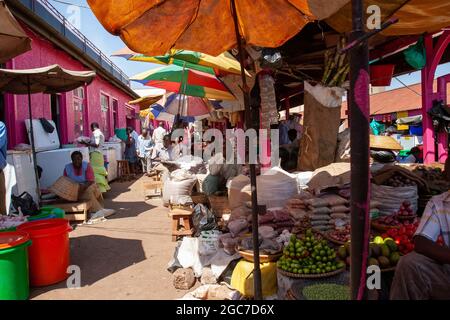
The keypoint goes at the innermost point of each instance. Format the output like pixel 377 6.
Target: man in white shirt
pixel 97 138
pixel 158 135
pixel 164 152
pixel 424 274
pixel 145 149
pixel 161 153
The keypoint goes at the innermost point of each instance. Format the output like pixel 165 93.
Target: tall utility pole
pixel 359 135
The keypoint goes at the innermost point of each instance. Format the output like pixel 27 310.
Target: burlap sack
pixel 321 126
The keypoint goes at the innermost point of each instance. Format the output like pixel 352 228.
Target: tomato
pixel 410 247
pixel 402 230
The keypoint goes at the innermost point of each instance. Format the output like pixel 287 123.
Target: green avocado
pixel 384 262
pixel 376 250
pixel 385 252
pixel 347 247
pixel 373 261
pixel 391 244
pixel 342 252
pixel 395 256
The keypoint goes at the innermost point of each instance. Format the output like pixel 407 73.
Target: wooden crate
pixel 75 211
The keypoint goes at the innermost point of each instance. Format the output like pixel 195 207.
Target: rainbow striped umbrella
pixel 224 62
pixel 186 81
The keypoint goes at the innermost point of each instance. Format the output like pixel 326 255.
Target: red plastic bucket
pixel 381 75
pixel 49 252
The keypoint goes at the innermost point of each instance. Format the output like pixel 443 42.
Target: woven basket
pixel 391 269
pixel 328 236
pixel 384 142
pixel 311 276
pixel 382 227
pixel 66 189
pixel 263 258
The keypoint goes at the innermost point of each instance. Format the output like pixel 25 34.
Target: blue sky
pixel 108 43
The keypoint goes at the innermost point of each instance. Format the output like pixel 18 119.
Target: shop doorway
pixel 55 105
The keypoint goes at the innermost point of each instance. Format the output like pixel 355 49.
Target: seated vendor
pixel 425 273
pixel 161 154
pixel 82 173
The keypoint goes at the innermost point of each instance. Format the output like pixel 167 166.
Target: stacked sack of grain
pixel 279 219
pixel 340 210
pixel 297 207
pixel 319 213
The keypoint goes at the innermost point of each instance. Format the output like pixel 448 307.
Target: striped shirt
pixel 436 219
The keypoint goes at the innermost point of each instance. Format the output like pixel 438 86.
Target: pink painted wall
pixel 44 53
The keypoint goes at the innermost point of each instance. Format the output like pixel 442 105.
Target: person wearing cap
pixel 3 149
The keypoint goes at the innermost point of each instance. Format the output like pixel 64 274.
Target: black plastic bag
pixel 48 127
pixel 440 115
pixel 203 219
pixel 26 203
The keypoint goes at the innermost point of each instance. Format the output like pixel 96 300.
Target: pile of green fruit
pixel 383 253
pixel 309 255
pixel 326 291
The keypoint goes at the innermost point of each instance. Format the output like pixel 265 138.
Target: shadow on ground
pixel 127 209
pixel 99 257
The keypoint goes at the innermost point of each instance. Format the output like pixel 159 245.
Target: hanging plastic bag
pixel 416 55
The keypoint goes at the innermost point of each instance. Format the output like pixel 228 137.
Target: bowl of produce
pixel 382 252
pixel 309 257
pixel 269 249
pixel 386 222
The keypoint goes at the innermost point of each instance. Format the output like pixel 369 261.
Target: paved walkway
pixel 125 257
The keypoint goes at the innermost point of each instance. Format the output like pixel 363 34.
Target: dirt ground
pixel 125 257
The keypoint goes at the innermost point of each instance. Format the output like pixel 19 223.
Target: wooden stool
pixel 75 211
pixel 153 185
pixel 184 216
pixel 123 170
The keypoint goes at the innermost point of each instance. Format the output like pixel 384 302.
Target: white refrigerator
pixel 22 161
pixel 111 162
pixel 53 163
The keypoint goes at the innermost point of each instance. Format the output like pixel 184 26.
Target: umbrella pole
pixel 359 139
pixel 255 210
pixel 33 148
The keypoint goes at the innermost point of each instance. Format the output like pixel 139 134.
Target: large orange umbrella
pixel 153 27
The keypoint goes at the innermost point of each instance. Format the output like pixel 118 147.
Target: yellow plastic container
pixel 242 278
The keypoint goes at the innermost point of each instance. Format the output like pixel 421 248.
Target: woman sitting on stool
pixel 82 173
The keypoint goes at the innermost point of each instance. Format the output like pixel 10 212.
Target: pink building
pixel 103 101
